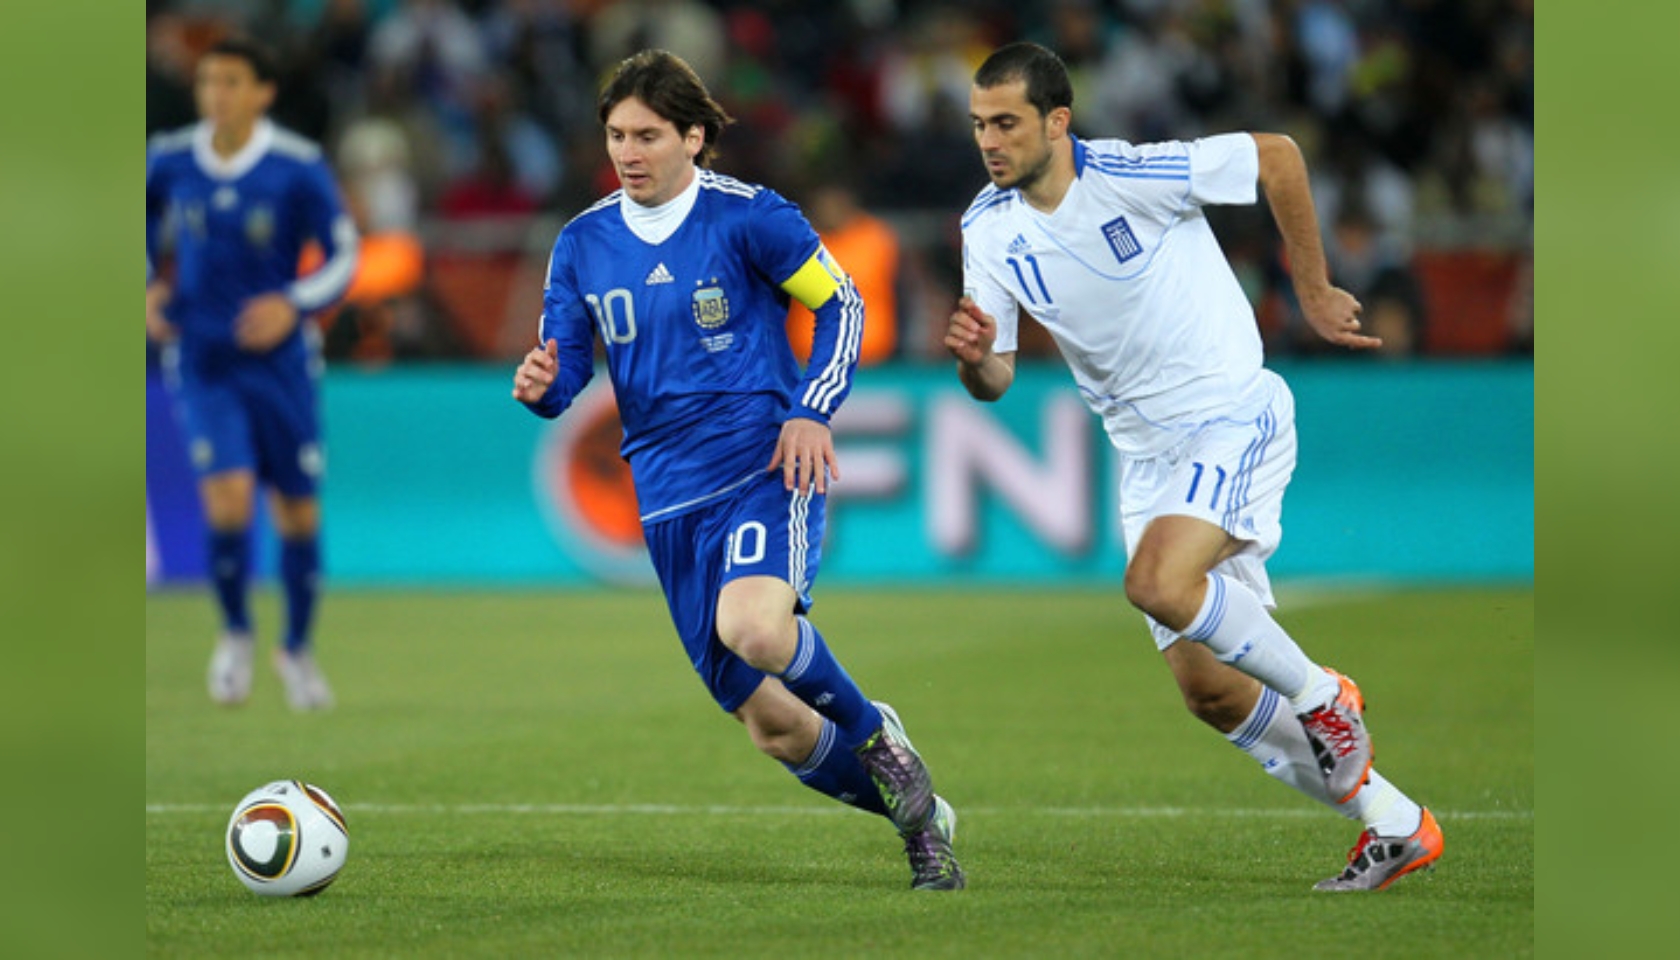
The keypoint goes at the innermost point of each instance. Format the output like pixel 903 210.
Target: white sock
pixel 1235 625
pixel 1272 736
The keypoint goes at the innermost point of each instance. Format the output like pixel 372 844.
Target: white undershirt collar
pixel 236 166
pixel 655 225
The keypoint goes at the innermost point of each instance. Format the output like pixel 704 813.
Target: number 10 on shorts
pixel 746 545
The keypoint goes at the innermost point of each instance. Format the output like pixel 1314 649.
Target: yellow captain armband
pixel 815 282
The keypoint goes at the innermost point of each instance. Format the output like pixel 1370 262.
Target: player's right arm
pixel 973 333
pixel 970 334
pixel 158 292
pixel 555 371
pixel 158 327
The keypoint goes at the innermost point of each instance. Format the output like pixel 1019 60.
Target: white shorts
pixel 1231 474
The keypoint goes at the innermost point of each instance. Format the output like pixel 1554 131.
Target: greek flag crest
pixel 1121 240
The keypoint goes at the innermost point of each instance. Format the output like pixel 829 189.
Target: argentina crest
pixel 711 307
pixel 259 226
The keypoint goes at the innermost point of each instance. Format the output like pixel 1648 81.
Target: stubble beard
pixel 1027 180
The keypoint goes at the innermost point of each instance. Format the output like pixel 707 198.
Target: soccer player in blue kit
pixel 1105 245
pixel 236 199
pixel 685 276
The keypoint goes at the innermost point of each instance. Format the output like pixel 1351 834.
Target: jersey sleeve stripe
pixel 723 184
pixel 1131 175
pixel 821 394
pixel 982 205
pixel 329 282
pixel 1166 160
pixel 289 144
pixel 1158 168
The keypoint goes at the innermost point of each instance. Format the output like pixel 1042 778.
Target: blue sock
pixel 230 574
pixel 817 678
pixel 300 570
pixel 838 774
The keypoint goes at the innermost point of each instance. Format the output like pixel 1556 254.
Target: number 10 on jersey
pixel 615 314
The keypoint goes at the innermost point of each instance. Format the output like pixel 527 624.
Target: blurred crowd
pixel 463 132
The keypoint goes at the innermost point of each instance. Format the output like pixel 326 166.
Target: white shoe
pixel 230 669
pixel 306 689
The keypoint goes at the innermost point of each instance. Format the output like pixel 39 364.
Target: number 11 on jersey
pixel 1032 261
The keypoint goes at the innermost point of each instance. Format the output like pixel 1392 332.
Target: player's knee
pixel 1148 590
pixel 1166 595
pixel 228 513
pixel 1139 585
pixel 764 641
pixel 296 518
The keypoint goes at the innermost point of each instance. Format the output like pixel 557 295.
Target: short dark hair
pixel 670 88
pixel 1046 77
pixel 244 48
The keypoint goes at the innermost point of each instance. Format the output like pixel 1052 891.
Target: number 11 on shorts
pixel 1196 482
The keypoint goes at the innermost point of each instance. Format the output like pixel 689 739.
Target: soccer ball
pixel 287 839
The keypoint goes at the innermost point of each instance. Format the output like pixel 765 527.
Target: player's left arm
pixel 805 451
pixel 268 319
pixel 1331 311
pixel 783 248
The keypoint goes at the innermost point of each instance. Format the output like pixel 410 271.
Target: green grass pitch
pixel 529 774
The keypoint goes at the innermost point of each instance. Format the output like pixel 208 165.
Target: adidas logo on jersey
pixel 1019 245
pixel 659 275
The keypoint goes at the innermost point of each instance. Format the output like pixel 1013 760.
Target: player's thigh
pixel 1177 548
pixel 687 553
pixel 755 619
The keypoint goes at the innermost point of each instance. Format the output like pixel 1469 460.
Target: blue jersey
pixel 238 227
pixel 694 329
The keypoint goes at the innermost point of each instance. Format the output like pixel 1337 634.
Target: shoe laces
pixel 1365 838
pixel 889 764
pixel 1334 729
pixel 1370 851
pixel 927 852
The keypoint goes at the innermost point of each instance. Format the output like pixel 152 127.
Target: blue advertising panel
pixel 1413 471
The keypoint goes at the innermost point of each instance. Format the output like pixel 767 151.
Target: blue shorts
pixel 758 529
pixel 259 416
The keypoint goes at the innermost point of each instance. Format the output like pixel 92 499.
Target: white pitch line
pixel 675 810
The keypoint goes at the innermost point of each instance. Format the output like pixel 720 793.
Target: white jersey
pixel 1128 278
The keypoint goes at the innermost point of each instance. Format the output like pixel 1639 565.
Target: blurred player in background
pixel 236 199
pixel 1105 245
pixel 686 276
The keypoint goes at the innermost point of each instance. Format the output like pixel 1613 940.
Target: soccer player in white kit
pixel 1105 244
